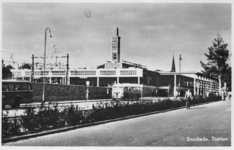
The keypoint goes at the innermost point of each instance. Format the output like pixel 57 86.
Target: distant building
pixel 173 69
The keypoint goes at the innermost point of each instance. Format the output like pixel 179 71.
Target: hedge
pixel 51 117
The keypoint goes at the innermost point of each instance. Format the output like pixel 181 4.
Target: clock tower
pixel 115 48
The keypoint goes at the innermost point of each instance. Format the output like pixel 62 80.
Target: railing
pixel 107 72
pixel 83 73
pixel 58 73
pixel 128 72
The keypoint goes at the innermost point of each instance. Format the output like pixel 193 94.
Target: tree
pixel 6 73
pixel 10 67
pixel 25 66
pixel 218 57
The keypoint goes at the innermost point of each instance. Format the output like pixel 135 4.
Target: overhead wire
pixel 12 59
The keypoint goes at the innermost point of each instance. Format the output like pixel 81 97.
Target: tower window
pixel 114 56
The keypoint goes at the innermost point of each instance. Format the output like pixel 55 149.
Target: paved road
pixel 175 128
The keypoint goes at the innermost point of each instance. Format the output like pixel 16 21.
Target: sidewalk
pixel 69 101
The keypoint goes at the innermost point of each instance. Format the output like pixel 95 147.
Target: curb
pixel 91 124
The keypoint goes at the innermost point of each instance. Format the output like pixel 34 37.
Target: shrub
pixel 72 116
pixel 29 120
pixel 5 127
pixel 11 127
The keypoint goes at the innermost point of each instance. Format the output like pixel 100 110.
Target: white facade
pixel 81 73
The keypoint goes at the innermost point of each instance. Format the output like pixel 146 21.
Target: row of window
pixel 46 73
pixel 28 73
pixel 83 72
pixel 58 72
pixel 41 73
pixel 16 86
pixel 122 72
pixel 107 72
pixel 131 72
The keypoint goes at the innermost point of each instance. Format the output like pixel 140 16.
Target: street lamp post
pixel 179 91
pixel 43 95
pixel 179 68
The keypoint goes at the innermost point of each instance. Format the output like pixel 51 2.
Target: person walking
pixel 229 95
pixel 188 96
pixel 87 94
pixel 224 96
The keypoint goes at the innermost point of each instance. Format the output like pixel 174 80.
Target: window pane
pixel 11 87
pixel 4 87
pixel 114 56
pixel 29 87
pixel 24 86
pixel 17 86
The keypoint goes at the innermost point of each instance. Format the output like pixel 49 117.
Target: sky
pixel 151 33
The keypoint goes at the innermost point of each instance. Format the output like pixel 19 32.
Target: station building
pixel 166 83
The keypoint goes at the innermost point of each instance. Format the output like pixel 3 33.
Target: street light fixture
pixel 43 95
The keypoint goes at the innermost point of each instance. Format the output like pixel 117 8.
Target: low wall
pixel 61 92
pixel 147 90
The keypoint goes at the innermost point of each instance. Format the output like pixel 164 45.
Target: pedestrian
pixel 230 96
pixel 188 96
pixel 176 94
pixel 138 95
pixel 125 93
pixel 224 96
pixel 152 93
pixel 87 94
pixel 188 103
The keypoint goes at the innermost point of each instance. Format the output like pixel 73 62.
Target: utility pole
pixel 67 68
pixel 32 73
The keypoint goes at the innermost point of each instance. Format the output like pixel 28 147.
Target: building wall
pixel 165 80
pixel 108 77
pixel 107 81
pixel 149 91
pixel 58 92
pixel 133 80
pixel 82 81
pixel 150 78
pixel 185 81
